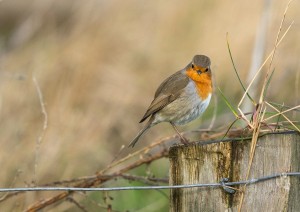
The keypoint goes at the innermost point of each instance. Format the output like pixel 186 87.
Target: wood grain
pixel 210 163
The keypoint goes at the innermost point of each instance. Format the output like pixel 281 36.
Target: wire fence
pixel 223 184
pixel 147 155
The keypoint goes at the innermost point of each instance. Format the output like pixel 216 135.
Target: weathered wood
pixel 210 163
pixel 195 164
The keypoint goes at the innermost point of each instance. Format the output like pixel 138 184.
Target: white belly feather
pixel 187 107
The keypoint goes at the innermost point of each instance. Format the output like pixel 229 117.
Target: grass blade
pixel 268 83
pixel 228 104
pixel 236 72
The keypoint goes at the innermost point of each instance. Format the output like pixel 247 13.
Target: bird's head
pixel 199 69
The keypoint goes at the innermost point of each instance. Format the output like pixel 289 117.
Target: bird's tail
pixel 136 139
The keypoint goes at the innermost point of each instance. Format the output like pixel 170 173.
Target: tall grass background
pixel 97 65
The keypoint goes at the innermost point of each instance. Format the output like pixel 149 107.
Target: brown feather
pixel 167 92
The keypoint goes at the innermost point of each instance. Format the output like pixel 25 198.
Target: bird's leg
pixel 182 139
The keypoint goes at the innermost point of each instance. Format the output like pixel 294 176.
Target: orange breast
pixel 202 82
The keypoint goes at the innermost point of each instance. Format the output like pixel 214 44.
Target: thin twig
pixel 94 202
pixel 261 99
pixel 11 184
pixel 257 125
pixel 234 135
pixel 280 113
pixel 261 107
pixel 45 125
pixel 259 70
pixel 72 200
pixel 143 150
pixel 284 116
pixel 94 182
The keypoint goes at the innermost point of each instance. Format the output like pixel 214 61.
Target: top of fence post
pixel 210 163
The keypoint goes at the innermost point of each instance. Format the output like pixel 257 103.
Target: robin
pixel 181 98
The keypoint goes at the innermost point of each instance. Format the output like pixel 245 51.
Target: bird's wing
pixel 176 82
pixel 167 92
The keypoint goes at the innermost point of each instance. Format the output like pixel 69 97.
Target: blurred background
pixel 98 63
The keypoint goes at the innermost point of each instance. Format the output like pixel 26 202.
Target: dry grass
pixel 98 64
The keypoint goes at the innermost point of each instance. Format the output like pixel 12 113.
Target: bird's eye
pixel 206 70
pixel 192 65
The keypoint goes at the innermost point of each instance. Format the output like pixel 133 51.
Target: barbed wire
pixel 220 184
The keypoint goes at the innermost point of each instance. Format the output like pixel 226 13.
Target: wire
pixel 222 184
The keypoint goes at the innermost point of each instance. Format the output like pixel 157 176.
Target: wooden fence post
pixel 198 163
